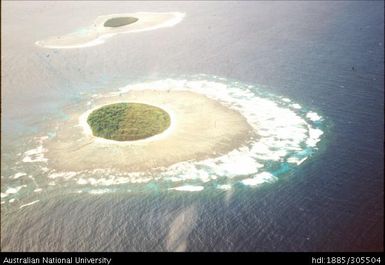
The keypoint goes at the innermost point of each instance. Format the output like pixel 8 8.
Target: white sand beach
pixel 97 33
pixel 200 128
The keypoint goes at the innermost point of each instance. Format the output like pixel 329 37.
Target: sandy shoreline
pixel 200 128
pixel 97 33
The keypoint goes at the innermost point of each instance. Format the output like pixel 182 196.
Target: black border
pixel 209 257
pixel 186 257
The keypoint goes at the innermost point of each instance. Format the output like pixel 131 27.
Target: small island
pixel 119 21
pixel 128 121
pixel 145 129
pixel 108 26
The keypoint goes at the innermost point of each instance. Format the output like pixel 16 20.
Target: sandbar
pixel 97 33
pixel 200 128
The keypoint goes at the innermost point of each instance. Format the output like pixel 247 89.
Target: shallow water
pixel 302 51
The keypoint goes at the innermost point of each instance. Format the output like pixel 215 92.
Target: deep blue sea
pixel 327 56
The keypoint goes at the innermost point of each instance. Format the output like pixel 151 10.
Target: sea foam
pixel 286 134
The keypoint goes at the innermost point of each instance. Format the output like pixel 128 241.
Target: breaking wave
pixel 288 134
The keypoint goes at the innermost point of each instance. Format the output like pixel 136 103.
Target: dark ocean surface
pixel 304 51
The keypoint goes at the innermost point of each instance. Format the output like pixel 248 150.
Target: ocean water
pixel 297 55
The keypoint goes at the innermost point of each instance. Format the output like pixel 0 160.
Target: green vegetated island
pixel 119 21
pixel 128 121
